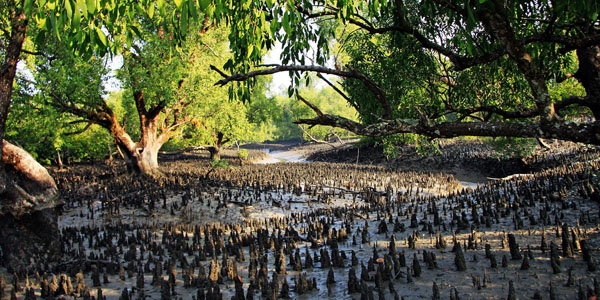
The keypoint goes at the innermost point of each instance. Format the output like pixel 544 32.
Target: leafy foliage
pixel 445 69
pixel 45 132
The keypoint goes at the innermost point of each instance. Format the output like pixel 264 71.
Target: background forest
pixel 50 133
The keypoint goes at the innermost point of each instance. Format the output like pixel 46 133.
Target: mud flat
pixel 301 229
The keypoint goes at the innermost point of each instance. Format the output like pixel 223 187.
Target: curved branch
pixel 374 88
pixel 84 129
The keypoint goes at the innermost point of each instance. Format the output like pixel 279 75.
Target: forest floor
pixel 304 204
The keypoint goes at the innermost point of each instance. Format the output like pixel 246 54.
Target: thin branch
pixel 210 49
pixel 89 124
pixel 223 74
pixel 312 106
pixel 335 88
pixel 155 110
pixel 39 53
pixel 312 138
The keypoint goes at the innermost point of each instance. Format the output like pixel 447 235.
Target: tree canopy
pixel 445 69
pixel 434 68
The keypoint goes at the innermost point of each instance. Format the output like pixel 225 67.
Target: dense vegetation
pixel 427 69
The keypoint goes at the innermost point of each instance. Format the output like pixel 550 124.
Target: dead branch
pixel 312 138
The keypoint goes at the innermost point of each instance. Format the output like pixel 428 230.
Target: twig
pixel 223 74
pixel 312 106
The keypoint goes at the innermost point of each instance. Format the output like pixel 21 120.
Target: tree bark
pixel 143 157
pixel 588 75
pixel 215 151
pixel 588 133
pixel 7 76
pixel 28 216
pixel 28 194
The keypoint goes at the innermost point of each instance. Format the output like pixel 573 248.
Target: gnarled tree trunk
pixel 28 194
pixel 28 216
pixel 143 160
pixel 588 75
pixel 8 70
pixel 215 152
pixel 141 157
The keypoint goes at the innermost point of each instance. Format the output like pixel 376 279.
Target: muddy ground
pixel 123 228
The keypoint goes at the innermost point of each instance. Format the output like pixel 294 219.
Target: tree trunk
pixel 8 70
pixel 141 160
pixel 215 152
pixel 140 157
pixel 28 194
pixel 588 75
pixel 28 216
pixel 147 159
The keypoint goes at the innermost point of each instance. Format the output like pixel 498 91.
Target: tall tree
pixel 491 65
pixel 168 88
pixel 86 26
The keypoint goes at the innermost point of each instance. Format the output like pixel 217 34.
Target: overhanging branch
pixel 374 88
pixel 588 133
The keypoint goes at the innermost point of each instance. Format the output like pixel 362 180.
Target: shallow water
pixel 281 156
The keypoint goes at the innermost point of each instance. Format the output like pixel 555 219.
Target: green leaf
pixel 250 49
pixel 51 26
pixel 27 6
pixel 76 18
pixel 80 5
pixel 210 10
pixel 129 38
pixel 91 6
pixel 204 4
pixel 41 22
pixel 151 10
pixel 178 3
pixel 69 8
pixel 193 9
pixel 471 21
pixel 285 22
pixel 184 21
pixel 136 31
pixel 101 36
